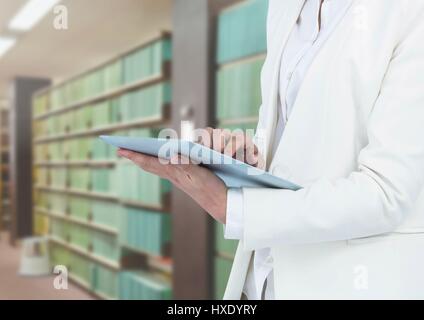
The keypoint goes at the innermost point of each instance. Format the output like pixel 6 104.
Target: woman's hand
pixel 199 183
pixel 237 145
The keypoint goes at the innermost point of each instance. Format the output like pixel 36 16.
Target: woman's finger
pixel 235 147
pixel 205 137
pixel 252 154
pixel 220 138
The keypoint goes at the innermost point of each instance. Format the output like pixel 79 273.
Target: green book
pixel 80 267
pixel 60 255
pixel 115 111
pixel 238 90
pixel 242 31
pixel 139 285
pixel 147 61
pixel 104 281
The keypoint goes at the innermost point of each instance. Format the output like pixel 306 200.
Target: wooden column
pixel 20 126
pixel 191 102
pixel 193 79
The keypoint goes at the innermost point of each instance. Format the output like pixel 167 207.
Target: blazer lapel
pixel 281 20
pixel 302 101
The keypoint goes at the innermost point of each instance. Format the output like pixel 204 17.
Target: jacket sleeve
pixel 376 198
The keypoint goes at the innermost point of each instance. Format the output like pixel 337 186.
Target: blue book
pixel 234 173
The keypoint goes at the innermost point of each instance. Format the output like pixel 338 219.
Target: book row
pixel 125 285
pixel 76 264
pixel 85 148
pixel 128 182
pixel 100 180
pixel 104 281
pixel 139 65
pixel 238 92
pixel 143 104
pixel 138 229
pixel 94 276
pixel 40 224
pixel 134 184
pixel 96 242
pixel 147 231
pixel 143 286
pixel 102 213
pixel 242 31
pixel 146 62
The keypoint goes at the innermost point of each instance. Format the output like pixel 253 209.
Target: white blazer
pixel 355 142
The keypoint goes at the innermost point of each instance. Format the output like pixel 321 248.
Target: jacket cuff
pixel 233 229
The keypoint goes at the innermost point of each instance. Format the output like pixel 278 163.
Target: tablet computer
pixel 234 173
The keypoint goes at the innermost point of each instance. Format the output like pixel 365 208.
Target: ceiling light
pixel 5 44
pixel 30 14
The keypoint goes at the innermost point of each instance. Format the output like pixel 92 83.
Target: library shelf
pixel 145 122
pixel 232 6
pixel 114 265
pixel 236 121
pixel 81 193
pixel 143 252
pixel 165 209
pixel 86 286
pixel 112 93
pixel 243 60
pixel 101 295
pixel 82 163
pixel 60 117
pixel 164 265
pixel 162 34
pixel 78 281
pixel 85 223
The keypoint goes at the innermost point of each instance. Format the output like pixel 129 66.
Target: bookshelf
pixel 107 221
pixel 240 54
pixel 4 168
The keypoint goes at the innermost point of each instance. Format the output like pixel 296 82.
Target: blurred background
pixel 76 222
